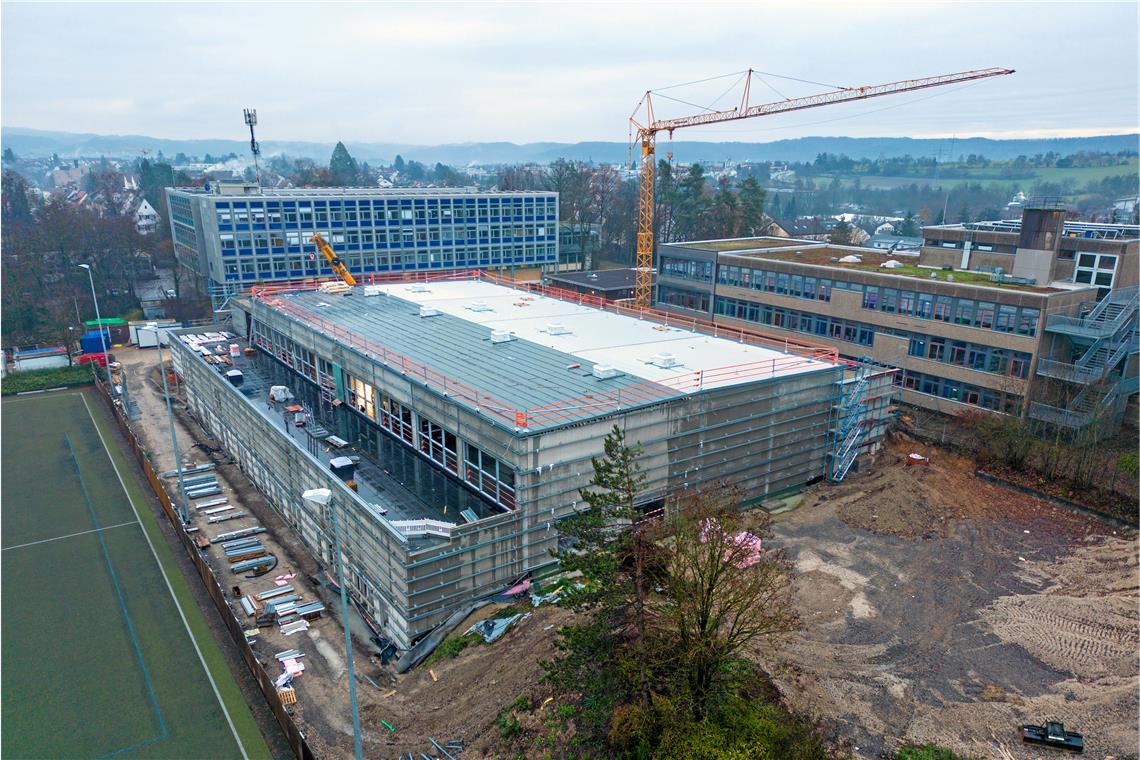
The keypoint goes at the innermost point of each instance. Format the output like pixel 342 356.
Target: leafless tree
pixel 724 593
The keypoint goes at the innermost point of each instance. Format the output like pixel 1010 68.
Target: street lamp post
pixel 102 335
pixel 183 506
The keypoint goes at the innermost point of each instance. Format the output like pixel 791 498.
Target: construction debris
pixel 492 628
pixel 222 538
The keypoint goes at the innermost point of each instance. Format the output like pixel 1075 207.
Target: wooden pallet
pixel 287 696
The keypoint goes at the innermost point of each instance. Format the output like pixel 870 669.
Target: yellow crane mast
pixel 647 136
pixel 334 260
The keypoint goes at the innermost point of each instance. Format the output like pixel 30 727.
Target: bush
pixel 1129 464
pixel 42 379
pixel 744 727
pixel 508 726
pixel 926 752
pixel 451 647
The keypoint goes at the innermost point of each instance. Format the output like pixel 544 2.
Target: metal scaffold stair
pixel 1104 337
pixel 850 430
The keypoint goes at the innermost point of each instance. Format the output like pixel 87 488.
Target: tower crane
pixel 647 136
pixel 334 260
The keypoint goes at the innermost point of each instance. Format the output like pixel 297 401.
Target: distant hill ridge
pixel 38 143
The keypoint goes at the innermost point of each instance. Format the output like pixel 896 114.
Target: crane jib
pixel 647 133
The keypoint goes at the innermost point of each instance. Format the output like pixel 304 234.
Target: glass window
pixel 985 315
pixel 1027 321
pixel 1006 318
pixel 870 297
pixel 925 306
pixel 942 307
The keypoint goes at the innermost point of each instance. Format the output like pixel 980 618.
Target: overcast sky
pixel 450 72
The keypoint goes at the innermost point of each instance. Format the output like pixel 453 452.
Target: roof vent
pixel 665 360
pixel 429 311
pixel 479 306
pixel 557 328
pixel 501 336
pixel 419 288
pixel 605 371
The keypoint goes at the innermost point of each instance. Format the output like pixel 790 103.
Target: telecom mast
pixel 251 120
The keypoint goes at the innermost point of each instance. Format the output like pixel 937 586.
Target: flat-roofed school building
pixel 1036 318
pixel 233 235
pixel 475 409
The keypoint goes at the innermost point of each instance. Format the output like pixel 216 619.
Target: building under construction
pixel 454 420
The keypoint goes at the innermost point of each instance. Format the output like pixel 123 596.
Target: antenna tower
pixel 250 115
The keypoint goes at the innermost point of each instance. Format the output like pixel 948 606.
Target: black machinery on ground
pixel 1053 734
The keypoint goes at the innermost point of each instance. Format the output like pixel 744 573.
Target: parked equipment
pixel 334 261
pixel 1053 734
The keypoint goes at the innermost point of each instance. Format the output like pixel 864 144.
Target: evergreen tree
pixel 693 205
pixel 343 166
pixel 666 201
pixel 606 548
pixel 751 207
pixel 416 172
pixel 725 211
pixel 9 156
pixel 398 164
pixel 841 235
pixel 14 199
pixel 907 227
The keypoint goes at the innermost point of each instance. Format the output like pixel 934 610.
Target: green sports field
pixel 104 652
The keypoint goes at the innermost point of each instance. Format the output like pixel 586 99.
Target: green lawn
pixel 97 661
pixel 992 177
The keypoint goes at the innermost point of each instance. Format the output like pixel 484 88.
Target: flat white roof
pixel 629 344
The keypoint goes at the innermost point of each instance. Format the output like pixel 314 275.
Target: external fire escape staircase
pixel 851 411
pixel 1102 339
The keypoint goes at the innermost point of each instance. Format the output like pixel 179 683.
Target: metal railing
pixel 797 354
pixel 1092 366
pixel 1094 324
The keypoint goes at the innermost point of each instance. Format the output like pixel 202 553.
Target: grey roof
pixel 368 192
pixel 603 279
pixel 520 373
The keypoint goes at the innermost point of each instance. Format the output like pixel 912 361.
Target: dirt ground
pixel 940 608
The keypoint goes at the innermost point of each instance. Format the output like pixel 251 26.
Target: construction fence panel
pixel 264 681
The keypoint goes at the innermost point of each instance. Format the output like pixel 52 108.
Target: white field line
pixel 71 535
pixel 181 614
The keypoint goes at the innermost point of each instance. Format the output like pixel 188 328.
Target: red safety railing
pixel 669 319
pixel 796 353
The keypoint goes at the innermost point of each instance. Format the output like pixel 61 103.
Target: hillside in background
pixel 32 143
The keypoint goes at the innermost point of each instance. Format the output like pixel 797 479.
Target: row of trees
pixel 344 170
pixel 671 613
pixel 688 207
